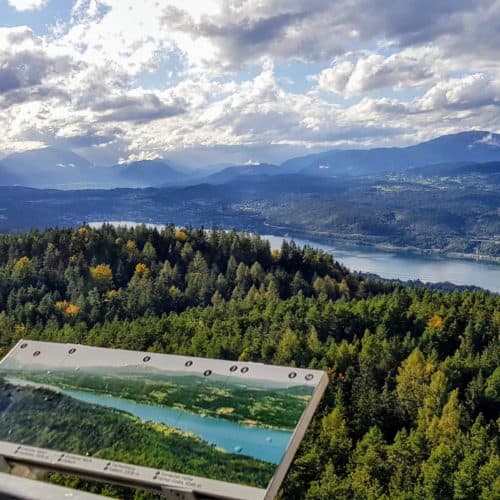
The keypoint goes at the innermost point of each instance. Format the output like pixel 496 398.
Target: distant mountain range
pixel 234 172
pixel 46 167
pixel 474 146
pixel 146 173
pixel 53 168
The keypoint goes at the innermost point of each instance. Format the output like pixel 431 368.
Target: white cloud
pixel 242 31
pixel 27 4
pixel 468 92
pixel 401 70
pixel 26 65
pixel 489 139
pixel 84 86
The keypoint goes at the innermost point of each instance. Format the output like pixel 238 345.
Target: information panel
pixel 221 429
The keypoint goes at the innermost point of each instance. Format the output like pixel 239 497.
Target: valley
pixel 446 214
pixel 311 185
pixel 438 197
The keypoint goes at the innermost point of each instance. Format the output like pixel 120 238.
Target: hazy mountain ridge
pixel 53 168
pixel 449 206
pixel 472 146
pixel 234 172
pixel 50 167
pixel 146 173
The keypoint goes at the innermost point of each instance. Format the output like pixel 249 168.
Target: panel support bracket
pixel 22 470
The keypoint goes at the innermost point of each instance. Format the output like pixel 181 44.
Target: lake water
pixel 408 266
pixel 263 444
pixel 395 265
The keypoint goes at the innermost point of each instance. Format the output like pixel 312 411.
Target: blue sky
pixel 225 81
pixel 39 20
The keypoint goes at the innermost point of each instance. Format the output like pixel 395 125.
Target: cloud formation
pixel 27 4
pixel 137 108
pixel 122 79
pixel 402 70
pixel 470 92
pixel 24 63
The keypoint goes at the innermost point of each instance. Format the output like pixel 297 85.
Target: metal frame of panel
pixel 74 356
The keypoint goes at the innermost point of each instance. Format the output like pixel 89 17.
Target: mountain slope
pixel 54 168
pixel 235 172
pixel 458 169
pixel 8 178
pixel 474 146
pixel 49 167
pixel 145 173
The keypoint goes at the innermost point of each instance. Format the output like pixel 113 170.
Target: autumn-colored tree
pixel 67 308
pixel 130 246
pixel 102 276
pixel 412 379
pixel 436 322
pixel 22 268
pixel 141 270
pixel 72 310
pixel 22 263
pixel 181 236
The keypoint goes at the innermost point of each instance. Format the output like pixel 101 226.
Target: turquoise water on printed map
pixel 257 442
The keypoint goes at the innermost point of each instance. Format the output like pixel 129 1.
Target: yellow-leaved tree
pixel 102 276
pixel 412 380
pixel 181 235
pixel 141 270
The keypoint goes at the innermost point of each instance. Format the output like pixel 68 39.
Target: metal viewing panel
pixel 221 429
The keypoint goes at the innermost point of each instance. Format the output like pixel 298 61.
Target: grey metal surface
pixel 14 487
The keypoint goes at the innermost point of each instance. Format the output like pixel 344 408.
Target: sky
pixel 202 82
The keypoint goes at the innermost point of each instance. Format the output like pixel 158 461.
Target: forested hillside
pixel 434 209
pixel 412 409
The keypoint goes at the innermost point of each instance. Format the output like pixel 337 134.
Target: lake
pixel 394 265
pixel 408 266
pixel 257 442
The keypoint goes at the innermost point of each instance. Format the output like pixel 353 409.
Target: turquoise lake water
pixel 263 444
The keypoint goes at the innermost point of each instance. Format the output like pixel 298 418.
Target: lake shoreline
pixel 327 239
pixel 408 265
pixel 323 238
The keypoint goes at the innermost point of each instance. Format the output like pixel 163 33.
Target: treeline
pixel 412 409
pixel 91 275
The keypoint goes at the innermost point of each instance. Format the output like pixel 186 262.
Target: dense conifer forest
pixel 412 409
